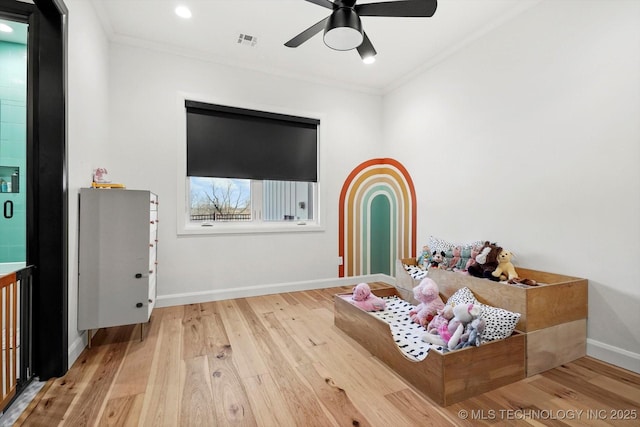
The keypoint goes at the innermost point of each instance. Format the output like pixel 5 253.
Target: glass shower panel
pixel 13 142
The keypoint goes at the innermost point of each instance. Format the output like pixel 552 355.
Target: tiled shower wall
pixel 13 143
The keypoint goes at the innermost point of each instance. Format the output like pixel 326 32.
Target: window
pixel 249 168
pixel 230 200
pixel 219 199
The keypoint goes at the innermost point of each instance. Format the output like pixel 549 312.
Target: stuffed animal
pixel 486 261
pixel 457 252
pixel 364 299
pixel 424 258
pixel 430 302
pixel 442 318
pixel 101 175
pixel 464 258
pixel 449 335
pixel 472 258
pixel 522 281
pixel 437 260
pixel 472 333
pixel 505 269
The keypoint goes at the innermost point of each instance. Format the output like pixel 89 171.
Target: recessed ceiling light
pixel 5 28
pixel 183 12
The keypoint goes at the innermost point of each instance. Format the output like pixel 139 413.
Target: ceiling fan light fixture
pixel 369 59
pixel 343 30
pixel 183 12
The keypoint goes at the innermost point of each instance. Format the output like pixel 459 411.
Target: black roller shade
pixel 229 142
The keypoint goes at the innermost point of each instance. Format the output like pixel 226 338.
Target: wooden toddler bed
pixel 446 378
pixel 551 331
pixel 553 314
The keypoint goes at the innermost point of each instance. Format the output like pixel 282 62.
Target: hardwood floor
pixel 277 360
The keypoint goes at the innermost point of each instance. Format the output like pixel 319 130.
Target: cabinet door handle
pixel 139 305
pixel 8 209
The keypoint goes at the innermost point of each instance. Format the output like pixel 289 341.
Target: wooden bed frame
pixel 446 378
pixel 553 315
pixel 551 331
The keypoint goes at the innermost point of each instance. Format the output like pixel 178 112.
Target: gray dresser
pixel 117 257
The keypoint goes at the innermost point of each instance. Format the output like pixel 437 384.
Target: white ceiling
pixel 404 45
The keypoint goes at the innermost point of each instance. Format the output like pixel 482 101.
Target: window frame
pixel 186 227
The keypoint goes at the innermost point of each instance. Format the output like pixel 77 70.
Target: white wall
pixel 144 145
pixel 530 136
pixel 87 129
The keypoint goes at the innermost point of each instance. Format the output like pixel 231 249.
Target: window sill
pixel 227 228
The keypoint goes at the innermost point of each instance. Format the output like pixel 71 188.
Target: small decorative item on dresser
pixel 101 179
pixel 101 176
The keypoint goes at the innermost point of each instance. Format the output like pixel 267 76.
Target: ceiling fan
pixel 343 28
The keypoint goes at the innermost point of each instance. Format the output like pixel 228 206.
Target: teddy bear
pixel 364 299
pixel 437 260
pixel 505 269
pixel 449 335
pixel 430 302
pixel 486 261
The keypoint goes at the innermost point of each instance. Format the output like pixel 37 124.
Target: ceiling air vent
pixel 247 40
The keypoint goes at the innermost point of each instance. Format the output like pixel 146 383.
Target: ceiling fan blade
pixel 307 34
pixel 366 49
pixel 323 3
pixel 405 8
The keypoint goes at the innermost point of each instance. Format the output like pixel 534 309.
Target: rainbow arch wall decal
pixel 377 218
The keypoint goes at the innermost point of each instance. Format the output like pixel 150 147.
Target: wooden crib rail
pixel 9 319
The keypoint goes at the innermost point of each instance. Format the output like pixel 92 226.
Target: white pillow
pixel 499 323
pixel 462 296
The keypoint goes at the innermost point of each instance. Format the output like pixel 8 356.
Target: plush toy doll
pixel 424 258
pixel 101 175
pixel 464 258
pixel 430 302
pixel 522 281
pixel 442 318
pixel 472 333
pixel 437 260
pixel 472 258
pixel 449 335
pixel 453 263
pixel 486 261
pixel 505 269
pixel 363 298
